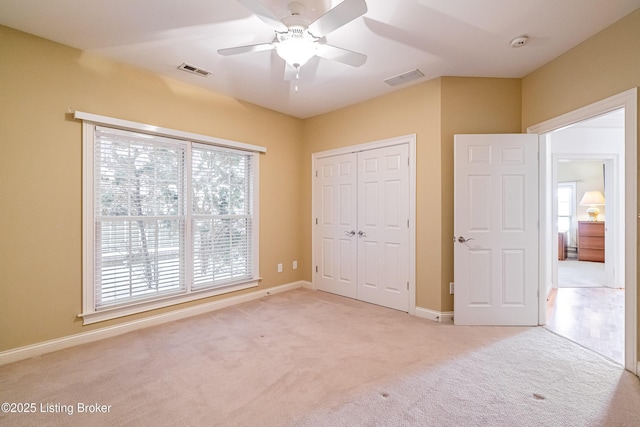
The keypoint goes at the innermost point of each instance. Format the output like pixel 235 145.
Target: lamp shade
pixel 592 198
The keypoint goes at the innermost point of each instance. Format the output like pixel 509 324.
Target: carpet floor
pixel 581 274
pixel 307 358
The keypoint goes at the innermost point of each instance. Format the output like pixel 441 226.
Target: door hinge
pixel 316 221
pixel 407 223
pixel 316 173
pixel 316 268
pixel 407 285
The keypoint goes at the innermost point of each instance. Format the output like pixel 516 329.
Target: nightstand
pixel 591 241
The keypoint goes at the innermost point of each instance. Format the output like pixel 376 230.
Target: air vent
pixel 404 78
pixel 195 70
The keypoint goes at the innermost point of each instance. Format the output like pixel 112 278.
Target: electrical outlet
pixel 451 288
pixel 279 268
pixel 295 265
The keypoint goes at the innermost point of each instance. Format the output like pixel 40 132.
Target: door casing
pixel 627 100
pixel 406 139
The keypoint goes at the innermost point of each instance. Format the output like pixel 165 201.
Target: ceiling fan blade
pixel 290 72
pixel 345 56
pixel 245 49
pixel 264 14
pixel 335 18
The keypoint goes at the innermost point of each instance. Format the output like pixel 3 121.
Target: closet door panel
pixel 336 198
pixel 383 230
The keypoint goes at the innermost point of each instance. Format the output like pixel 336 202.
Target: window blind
pixel 170 217
pixel 221 183
pixel 139 190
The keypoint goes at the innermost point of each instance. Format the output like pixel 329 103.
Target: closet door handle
pixel 350 233
pixel 362 234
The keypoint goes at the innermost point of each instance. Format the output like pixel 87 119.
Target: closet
pixel 362 225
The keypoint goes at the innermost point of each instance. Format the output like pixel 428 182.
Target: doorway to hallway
pixel 586 299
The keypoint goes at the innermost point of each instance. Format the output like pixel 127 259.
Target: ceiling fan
pixel 297 39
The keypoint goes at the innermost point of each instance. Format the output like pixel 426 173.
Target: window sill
pixel 140 307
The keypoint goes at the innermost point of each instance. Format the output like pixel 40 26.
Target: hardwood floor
pixel 591 317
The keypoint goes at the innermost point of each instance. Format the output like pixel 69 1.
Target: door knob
pixel 463 240
pixel 350 233
pixel 362 234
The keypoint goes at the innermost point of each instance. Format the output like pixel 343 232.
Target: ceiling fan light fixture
pixel 296 46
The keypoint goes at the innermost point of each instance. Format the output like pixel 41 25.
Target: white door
pixel 496 229
pixel 362 214
pixel 383 228
pixel 336 193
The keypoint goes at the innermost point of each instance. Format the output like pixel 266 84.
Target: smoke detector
pixel 519 41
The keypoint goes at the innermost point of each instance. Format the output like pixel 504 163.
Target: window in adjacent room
pixel 566 210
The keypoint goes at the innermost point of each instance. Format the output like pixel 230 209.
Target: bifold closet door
pixel 336 216
pixel 383 226
pixel 362 214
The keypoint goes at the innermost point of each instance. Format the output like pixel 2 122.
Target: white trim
pixel 160 302
pixel 436 316
pixel 92 315
pixel 367 146
pixel 172 133
pixel 38 349
pixel 409 139
pixel 88 225
pixel 629 100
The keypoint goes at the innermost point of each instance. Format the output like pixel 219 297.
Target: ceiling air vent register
pixel 193 69
pixel 404 78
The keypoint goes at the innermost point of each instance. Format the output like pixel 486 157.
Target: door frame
pixel 614 233
pixel 627 99
pixel 405 139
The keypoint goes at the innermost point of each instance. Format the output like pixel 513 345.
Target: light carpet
pixel 305 358
pixel 581 274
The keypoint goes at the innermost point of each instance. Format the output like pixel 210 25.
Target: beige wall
pixel 41 170
pixel 434 111
pixel 588 176
pixel 415 110
pixel 40 157
pixel 604 65
pixel 470 105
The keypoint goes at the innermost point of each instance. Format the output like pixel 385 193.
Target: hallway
pixel 592 317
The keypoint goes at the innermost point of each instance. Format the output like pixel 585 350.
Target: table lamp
pixel 592 199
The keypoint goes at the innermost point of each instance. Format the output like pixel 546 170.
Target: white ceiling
pixel 439 37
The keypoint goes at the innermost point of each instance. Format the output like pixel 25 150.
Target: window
pixel 567 209
pixel 167 220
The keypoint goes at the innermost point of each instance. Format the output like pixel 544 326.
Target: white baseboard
pixel 436 316
pixel 38 349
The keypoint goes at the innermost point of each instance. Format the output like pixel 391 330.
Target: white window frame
pixel 89 312
pixel 573 222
